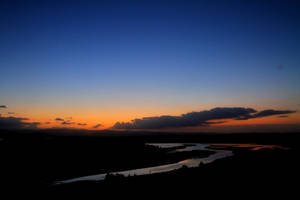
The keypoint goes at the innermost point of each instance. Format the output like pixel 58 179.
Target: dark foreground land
pixel 31 162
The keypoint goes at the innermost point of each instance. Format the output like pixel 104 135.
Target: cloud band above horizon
pixel 201 118
pixel 16 123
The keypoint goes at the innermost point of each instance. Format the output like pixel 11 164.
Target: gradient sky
pixel 109 61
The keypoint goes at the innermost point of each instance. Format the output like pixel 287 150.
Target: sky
pixel 95 63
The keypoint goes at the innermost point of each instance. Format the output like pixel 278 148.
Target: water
pixel 219 150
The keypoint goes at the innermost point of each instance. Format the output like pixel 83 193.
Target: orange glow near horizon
pixel 108 116
pixel 109 119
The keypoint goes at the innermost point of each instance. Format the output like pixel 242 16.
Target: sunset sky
pixel 87 63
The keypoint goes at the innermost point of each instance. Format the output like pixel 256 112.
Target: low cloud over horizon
pixel 67 123
pixel 16 123
pixel 81 124
pixel 191 119
pixel 97 126
pixel 201 118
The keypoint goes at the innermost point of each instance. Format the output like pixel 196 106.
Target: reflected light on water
pixel 220 151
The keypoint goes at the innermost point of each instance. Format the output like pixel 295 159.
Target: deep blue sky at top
pixel 176 52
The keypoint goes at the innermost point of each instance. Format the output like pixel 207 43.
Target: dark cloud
pixel 81 124
pixel 202 118
pixel 270 112
pixel 59 119
pixel 11 113
pixel 67 123
pixel 3 106
pixel 97 126
pixel 185 120
pixel 16 123
pixel 266 113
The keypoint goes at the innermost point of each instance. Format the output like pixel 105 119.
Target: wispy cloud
pixel 67 123
pixel 81 124
pixel 97 126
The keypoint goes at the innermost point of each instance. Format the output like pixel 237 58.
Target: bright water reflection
pixel 218 149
